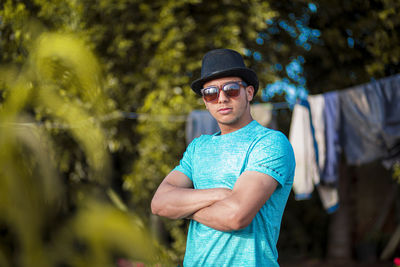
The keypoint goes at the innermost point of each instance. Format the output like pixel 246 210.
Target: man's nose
pixel 222 97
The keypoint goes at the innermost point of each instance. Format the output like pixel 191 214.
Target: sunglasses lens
pixel 232 89
pixel 210 93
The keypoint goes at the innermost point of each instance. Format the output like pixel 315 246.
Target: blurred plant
pixel 48 216
pixel 150 51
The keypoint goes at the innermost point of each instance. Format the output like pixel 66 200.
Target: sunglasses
pixel 231 89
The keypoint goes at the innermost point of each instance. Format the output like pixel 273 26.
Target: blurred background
pixel 94 100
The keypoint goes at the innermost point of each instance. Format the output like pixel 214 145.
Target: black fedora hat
pixel 220 63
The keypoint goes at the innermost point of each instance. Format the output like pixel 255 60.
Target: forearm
pixel 176 202
pixel 237 211
pixel 221 215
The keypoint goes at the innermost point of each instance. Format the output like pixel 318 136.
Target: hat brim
pixel 248 75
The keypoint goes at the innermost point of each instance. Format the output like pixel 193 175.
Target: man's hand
pixel 175 198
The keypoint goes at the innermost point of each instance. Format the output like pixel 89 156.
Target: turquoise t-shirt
pixel 212 161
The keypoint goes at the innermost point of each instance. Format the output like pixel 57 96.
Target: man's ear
pixel 250 92
pixel 205 103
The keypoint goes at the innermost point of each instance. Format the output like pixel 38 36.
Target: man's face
pixel 230 110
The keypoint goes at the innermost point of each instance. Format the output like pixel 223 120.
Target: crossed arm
pixel 219 208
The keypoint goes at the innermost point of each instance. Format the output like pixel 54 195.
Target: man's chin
pixel 227 122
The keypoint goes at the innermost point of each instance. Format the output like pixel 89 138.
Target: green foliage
pixel 148 53
pixel 358 41
pixel 13 17
pixel 48 221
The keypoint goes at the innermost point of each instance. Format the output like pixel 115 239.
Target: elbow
pixel 239 221
pixel 161 209
pixel 155 206
pixel 238 224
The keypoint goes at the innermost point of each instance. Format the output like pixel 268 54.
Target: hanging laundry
pixel 329 197
pixel 306 172
pixel 371 122
pixel 200 122
pixel 330 171
pixel 316 106
pixel 307 136
pixel 263 114
pixel 328 194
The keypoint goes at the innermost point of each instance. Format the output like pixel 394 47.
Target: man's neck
pixel 230 128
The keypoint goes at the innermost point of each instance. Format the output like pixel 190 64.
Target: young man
pixel 233 185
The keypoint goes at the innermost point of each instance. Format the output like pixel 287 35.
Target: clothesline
pixel 154 117
pixel 108 117
pixel 124 115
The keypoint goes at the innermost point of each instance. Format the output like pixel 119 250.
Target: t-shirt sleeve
pixel 186 163
pixel 273 155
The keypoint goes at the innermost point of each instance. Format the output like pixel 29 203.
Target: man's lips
pixel 224 110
